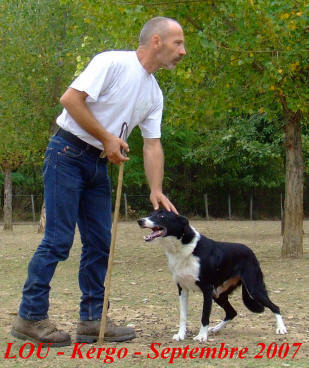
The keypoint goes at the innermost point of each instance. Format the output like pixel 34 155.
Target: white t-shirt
pixel 119 90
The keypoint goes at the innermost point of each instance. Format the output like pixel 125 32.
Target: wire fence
pixel 211 207
pixel 27 207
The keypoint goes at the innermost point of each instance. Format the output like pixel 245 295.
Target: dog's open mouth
pixel 157 232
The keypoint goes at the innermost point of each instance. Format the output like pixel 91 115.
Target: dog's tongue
pixel 153 235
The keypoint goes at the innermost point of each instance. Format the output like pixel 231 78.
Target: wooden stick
pixel 111 255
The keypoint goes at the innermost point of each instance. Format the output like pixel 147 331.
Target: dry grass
pixel 144 295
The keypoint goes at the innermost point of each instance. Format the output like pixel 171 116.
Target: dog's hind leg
pixel 183 301
pixel 251 303
pixel 257 291
pixel 230 312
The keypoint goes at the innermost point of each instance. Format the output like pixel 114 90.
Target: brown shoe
pixel 88 331
pixel 43 331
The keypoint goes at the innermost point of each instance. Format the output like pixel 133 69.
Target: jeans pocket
pixel 71 151
pixel 47 156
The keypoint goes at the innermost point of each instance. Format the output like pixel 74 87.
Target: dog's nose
pixel 140 222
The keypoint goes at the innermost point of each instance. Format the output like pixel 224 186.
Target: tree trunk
pixel 294 187
pixel 7 206
pixel 42 223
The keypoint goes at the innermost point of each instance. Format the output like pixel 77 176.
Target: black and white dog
pixel 214 268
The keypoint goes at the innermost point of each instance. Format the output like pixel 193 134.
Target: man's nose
pixel 183 51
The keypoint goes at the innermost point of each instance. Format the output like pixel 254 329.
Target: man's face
pixel 173 48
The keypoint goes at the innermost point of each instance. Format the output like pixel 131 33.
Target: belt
pixel 93 151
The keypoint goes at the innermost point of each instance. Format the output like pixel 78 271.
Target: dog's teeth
pixel 155 234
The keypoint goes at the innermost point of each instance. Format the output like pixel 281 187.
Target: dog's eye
pixel 161 216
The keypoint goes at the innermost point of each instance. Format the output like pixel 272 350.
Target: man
pixel 116 87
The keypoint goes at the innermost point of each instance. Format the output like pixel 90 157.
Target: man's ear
pixel 156 41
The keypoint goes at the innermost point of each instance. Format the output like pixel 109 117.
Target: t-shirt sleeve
pixel 95 78
pixel 151 126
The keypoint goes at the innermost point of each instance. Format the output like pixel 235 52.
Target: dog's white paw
pixel 217 327
pixel 201 337
pixel 179 336
pixel 214 329
pixel 281 330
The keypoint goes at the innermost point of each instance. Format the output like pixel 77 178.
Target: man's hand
pixel 113 147
pixel 158 198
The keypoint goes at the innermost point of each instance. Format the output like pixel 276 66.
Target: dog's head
pixel 164 223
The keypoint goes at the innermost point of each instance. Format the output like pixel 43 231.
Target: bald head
pixel 161 44
pixel 157 25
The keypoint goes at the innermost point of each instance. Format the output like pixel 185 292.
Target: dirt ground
pixel 143 295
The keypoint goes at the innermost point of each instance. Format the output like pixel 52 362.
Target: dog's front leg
pixel 207 301
pixel 183 301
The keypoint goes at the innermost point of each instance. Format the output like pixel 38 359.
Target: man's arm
pixel 74 102
pixel 154 170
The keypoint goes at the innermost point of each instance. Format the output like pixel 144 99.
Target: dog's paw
pixel 214 329
pixel 217 327
pixel 281 330
pixel 179 336
pixel 201 337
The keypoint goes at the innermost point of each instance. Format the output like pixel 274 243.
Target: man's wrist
pixel 156 192
pixel 105 137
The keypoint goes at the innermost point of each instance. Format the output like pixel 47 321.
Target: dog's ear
pixel 187 233
pixel 184 221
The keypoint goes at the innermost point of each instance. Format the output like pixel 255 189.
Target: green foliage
pixel 247 153
pixel 36 38
pixel 22 180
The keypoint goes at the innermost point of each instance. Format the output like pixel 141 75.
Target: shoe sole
pixel 21 336
pixel 92 339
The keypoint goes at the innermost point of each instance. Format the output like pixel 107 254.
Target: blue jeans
pixel 77 190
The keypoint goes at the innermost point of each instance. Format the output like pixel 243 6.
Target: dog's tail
pixel 250 303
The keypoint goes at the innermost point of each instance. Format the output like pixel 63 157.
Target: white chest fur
pixel 184 266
